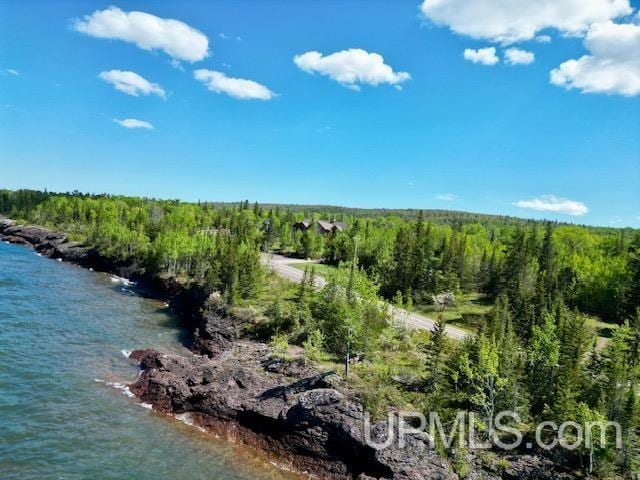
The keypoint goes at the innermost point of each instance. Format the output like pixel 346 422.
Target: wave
pixel 126 353
pixel 187 419
pixel 124 388
pixel 124 281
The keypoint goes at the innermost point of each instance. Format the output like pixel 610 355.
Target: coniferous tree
pixel 633 289
pixel 543 355
pixel 434 354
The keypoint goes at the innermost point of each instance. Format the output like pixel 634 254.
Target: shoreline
pixel 292 413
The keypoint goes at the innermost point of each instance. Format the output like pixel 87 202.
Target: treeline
pixel 190 242
pixel 592 269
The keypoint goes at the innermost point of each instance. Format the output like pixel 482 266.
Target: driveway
pixel 282 266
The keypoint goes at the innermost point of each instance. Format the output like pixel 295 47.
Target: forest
pixel 559 338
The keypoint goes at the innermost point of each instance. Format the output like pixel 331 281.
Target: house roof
pixel 329 226
pixel 303 223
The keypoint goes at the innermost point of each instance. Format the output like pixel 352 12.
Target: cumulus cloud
pixel 351 68
pixel 134 123
pixel 131 83
pixel 515 56
pixel 175 38
pixel 613 66
pixel 551 203
pixel 234 87
pixel 518 20
pixel 447 197
pixel 483 56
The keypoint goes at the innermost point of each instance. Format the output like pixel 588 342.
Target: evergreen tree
pixel 434 354
pixel 543 355
pixel 633 288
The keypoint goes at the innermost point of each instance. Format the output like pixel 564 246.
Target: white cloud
pixel 551 203
pixel 613 66
pixel 234 87
pixel 175 38
pixel 518 20
pixel 134 123
pixel 351 68
pixel 131 83
pixel 483 56
pixel 447 197
pixel 176 64
pixel 515 56
pixel 11 71
pixel 543 39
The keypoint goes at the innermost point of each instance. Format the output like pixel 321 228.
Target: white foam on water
pixel 7 242
pixel 90 269
pixel 126 353
pixel 38 254
pixel 58 259
pixel 122 387
pixel 148 406
pixel 187 419
pixel 124 281
pixel 99 380
pixel 281 466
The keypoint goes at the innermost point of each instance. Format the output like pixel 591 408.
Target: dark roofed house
pixel 329 227
pixel 323 227
pixel 302 225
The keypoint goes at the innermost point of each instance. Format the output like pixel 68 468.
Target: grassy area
pixel 468 313
pixel 321 268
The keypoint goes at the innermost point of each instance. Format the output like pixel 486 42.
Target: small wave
pixel 122 387
pixel 126 353
pixel 187 419
pixel 99 380
pixel 148 406
pixel 90 269
pixel 58 259
pixel 38 254
pixel 124 281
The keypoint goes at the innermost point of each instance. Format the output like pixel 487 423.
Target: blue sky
pixel 491 138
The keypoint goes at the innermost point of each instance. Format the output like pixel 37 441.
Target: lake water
pixel 63 330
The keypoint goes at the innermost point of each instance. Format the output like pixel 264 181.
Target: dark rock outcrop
pixel 303 419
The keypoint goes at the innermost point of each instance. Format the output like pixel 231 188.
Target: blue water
pixel 62 332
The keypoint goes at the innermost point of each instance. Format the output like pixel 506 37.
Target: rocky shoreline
pixel 301 417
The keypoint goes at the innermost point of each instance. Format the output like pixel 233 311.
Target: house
pixel 302 225
pixel 323 227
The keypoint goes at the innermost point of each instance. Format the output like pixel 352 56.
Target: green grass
pixel 321 268
pixel 469 312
